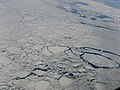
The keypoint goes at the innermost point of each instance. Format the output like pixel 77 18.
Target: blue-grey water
pixel 112 3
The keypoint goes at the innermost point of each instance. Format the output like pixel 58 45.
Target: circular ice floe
pixel 64 81
pixel 46 52
pixel 99 86
pixel 42 85
pixel 56 49
pixel 100 61
pixel 5 60
pixel 31 85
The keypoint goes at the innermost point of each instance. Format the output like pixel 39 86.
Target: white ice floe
pixel 46 52
pixel 57 49
pixel 42 85
pixel 13 49
pixel 4 60
pixel 64 81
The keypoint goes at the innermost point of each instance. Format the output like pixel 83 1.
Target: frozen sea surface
pixel 59 45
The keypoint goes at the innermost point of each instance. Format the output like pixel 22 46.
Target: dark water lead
pixel 118 88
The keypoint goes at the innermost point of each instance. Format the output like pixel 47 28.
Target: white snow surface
pixel 59 45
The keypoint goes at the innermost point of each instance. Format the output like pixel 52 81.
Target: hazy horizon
pixel 112 3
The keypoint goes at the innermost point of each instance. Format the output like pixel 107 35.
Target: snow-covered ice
pixel 59 45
